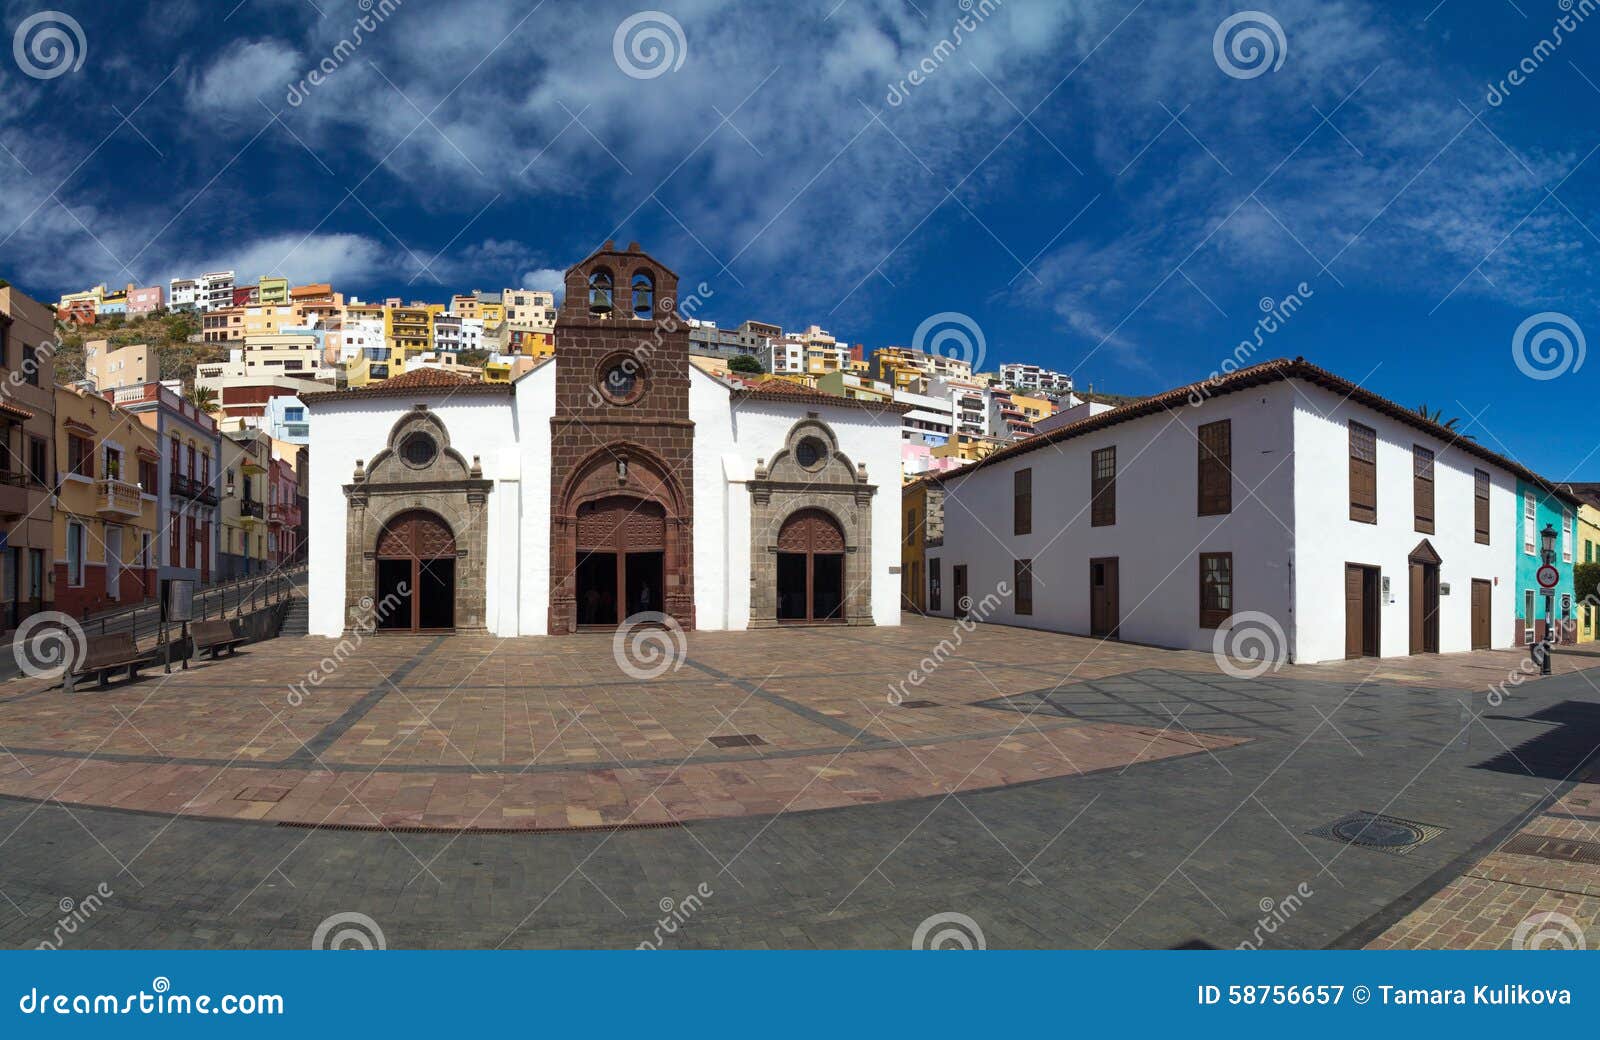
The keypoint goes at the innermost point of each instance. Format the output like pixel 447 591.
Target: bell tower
pixel 622 446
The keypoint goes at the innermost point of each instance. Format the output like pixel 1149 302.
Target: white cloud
pixel 243 72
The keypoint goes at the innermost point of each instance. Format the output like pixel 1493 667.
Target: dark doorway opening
pixel 416 572
pixel 811 568
pixel 1424 566
pixel 621 567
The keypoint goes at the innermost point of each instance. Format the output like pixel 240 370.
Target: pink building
pixel 143 301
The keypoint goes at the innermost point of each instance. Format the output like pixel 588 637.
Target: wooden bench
pixel 104 655
pixel 215 636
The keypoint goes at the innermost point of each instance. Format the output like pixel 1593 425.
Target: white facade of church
pixel 789 510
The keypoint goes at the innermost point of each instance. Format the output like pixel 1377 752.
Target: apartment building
pixel 105 517
pixel 452 334
pixel 284 516
pixel 188 475
pixel 1032 377
pixel 246 461
pixel 272 291
pixel 1006 420
pixel 408 330
pixel 146 301
pixel 27 431
pixel 108 367
pixel 214 290
pixel 530 309
pixel 1320 518
pixel 183 294
pixel 223 325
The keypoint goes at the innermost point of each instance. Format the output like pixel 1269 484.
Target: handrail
pixel 104 617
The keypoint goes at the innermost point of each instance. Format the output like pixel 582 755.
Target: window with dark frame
pixel 80 456
pixel 1215 480
pixel 1422 488
pixel 1022 501
pixel 30 364
pixel 1480 506
pixel 1216 589
pixel 1363 474
pixel 1022 572
pixel 1103 487
pixel 39 461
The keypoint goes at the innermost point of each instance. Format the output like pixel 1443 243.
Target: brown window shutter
pixel 1363 473
pixel 1422 488
pixel 1215 480
pixel 1022 502
pixel 1022 572
pixel 1103 487
pixel 1480 507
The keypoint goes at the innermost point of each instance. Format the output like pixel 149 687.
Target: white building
pixel 1280 500
pixel 183 294
pixel 452 334
pixel 613 480
pixel 1032 377
pixel 214 291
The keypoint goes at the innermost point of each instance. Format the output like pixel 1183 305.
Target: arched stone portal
pixel 810 533
pixel 620 542
pixel 418 507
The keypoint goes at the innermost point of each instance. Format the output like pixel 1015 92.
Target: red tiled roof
pixel 419 380
pixel 1258 375
pixel 773 389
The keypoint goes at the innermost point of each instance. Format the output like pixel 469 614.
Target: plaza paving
pixel 1058 790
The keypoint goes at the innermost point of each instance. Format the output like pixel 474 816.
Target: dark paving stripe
pixel 794 707
pixel 306 757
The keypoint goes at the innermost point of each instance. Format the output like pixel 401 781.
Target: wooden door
pixel 1103 605
pixel 1424 608
pixel 1355 610
pixel 962 604
pixel 1481 599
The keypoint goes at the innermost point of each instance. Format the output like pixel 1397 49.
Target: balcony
pixel 284 515
pixel 15 497
pixel 250 512
pixel 117 498
pixel 188 487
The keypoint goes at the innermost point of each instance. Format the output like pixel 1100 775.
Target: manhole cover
pixel 1378 832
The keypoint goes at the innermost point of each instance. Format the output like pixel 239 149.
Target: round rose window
pixel 622 382
pixel 418 449
pixel 811 453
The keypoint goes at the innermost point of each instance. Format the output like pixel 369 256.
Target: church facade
pixel 614 480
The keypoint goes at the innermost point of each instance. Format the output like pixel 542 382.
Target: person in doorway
pixel 646 598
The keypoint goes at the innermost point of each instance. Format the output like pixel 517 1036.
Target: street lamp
pixel 1547 554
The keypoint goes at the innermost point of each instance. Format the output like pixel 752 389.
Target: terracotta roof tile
pixel 423 380
pixel 774 389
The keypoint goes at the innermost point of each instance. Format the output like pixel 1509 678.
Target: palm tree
pixel 202 397
pixel 1453 424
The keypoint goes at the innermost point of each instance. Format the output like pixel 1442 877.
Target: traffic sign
pixel 1548 577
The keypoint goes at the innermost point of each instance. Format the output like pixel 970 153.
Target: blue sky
pixel 1084 180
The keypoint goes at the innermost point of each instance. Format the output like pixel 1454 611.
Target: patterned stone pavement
pixel 1109 796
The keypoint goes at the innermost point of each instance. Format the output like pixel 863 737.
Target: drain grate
pixel 738 740
pixel 1568 850
pixel 1378 832
pixel 920 704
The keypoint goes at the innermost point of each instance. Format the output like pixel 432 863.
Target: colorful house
pixel 1587 551
pixel 1540 506
pixel 922 528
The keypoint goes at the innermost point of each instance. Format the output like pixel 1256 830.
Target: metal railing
pixel 233 598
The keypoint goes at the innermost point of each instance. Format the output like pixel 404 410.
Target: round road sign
pixel 1548 577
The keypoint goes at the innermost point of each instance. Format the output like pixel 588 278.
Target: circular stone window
pixel 811 453
pixel 621 381
pixel 418 450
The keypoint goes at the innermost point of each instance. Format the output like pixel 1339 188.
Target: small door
pixel 113 562
pixel 963 605
pixel 1362 588
pixel 1424 608
pixel 1103 604
pixel 1481 598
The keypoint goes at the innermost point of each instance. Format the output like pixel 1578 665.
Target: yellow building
pixel 853 386
pixel 408 331
pixel 921 526
pixel 246 455
pixel 966 447
pixel 105 516
pixel 272 291
pixel 1587 551
pixel 1033 408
